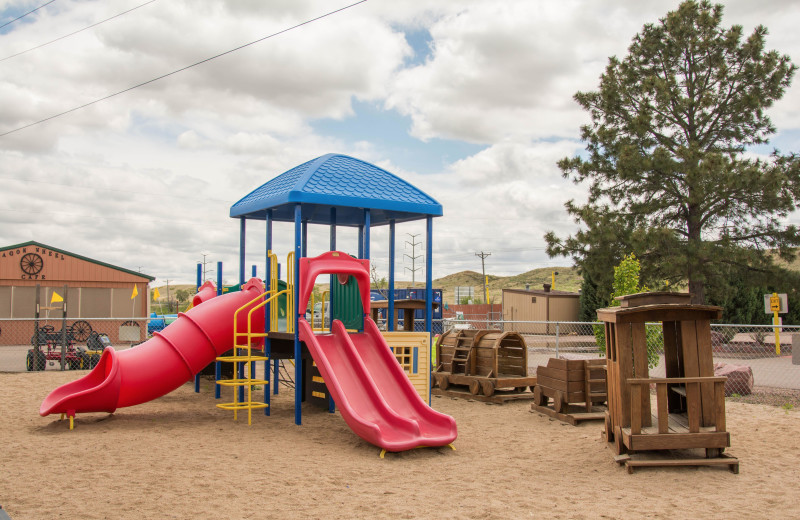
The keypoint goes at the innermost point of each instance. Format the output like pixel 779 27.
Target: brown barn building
pixel 96 292
pixel 538 305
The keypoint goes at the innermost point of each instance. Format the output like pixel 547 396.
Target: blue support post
pixel 366 232
pixel 242 241
pixel 361 241
pixel 429 292
pixel 304 249
pixel 218 364
pixel 390 296
pixel 241 249
pixel 298 362
pixel 255 272
pixel 429 274
pixel 267 315
pixel 197 375
pixel 331 403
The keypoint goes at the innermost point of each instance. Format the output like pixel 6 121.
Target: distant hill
pixel 567 279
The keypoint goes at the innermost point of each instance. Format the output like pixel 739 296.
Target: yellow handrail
pixel 247 359
pixel 321 327
pixel 273 285
pixel 291 312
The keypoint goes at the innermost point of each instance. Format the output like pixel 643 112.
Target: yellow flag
pixel 56 298
pixel 135 292
pixel 156 294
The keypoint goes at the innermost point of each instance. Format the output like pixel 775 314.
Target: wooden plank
pixel 640 360
pixel 499 397
pixel 672 441
pixel 564 386
pixel 625 364
pixel 705 364
pixel 693 406
pixel 731 462
pixel 662 402
pixel 563 375
pixel 679 380
pixel 565 364
pixel 612 375
pixel 719 406
pixel 636 409
pixel 571 417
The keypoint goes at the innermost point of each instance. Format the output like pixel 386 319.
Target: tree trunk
pixel 698 290
pixel 694 249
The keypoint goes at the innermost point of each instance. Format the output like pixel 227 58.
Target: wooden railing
pixel 693 401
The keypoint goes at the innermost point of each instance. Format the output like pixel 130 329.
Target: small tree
pixel 626 281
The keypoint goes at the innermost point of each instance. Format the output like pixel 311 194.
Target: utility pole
pixel 169 303
pixel 483 269
pixel 204 266
pixel 413 256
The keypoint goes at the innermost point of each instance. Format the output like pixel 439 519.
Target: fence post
pixel 556 339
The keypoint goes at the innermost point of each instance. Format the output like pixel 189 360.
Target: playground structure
pixel 372 391
pixel 690 400
pixel 568 381
pixel 485 361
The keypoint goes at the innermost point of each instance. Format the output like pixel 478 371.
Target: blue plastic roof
pixel 342 182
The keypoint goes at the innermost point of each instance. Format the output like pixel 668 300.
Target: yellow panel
pixel 421 340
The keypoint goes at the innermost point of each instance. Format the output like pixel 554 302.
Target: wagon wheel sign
pixel 31 263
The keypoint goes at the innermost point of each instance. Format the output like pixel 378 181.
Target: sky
pixel 470 101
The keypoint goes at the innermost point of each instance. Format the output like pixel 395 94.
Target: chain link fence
pixel 758 368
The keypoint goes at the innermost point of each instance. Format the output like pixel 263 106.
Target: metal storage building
pixel 523 305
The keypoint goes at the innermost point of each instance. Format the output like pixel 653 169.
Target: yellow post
pixel 775 307
pixel 486 289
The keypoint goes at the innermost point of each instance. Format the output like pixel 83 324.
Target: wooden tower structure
pixel 690 400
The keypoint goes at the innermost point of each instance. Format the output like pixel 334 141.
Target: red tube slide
pixel 163 363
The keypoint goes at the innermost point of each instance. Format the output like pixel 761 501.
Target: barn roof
pixel 79 257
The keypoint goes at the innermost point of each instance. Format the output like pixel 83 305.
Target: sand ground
pixel 181 457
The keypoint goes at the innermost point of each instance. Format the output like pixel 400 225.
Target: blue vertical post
pixel 429 292
pixel 298 362
pixel 255 272
pixel 390 296
pixel 361 241
pixel 267 313
pixel 304 249
pixel 367 224
pixel 241 249
pixel 218 364
pixel 429 275
pixel 331 403
pixel 242 234
pixel 199 278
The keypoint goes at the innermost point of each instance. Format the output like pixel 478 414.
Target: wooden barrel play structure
pixel 484 360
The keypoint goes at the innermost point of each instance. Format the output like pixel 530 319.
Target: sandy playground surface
pixel 181 457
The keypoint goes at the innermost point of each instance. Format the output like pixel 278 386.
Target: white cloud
pixel 147 178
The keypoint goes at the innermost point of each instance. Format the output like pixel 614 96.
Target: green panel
pixel 346 303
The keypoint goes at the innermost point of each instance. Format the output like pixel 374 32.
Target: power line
pixel 76 32
pixel 183 68
pixel 26 14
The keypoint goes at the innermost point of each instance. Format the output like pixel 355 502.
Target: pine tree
pixel 666 156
